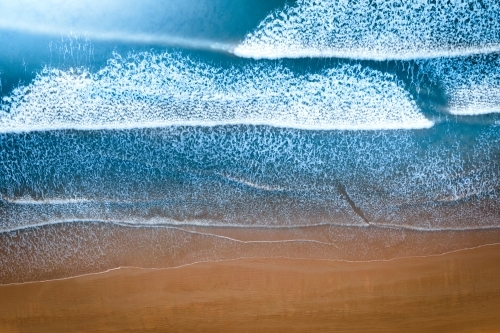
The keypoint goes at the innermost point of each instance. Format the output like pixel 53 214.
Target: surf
pixel 471 84
pixel 151 89
pixel 377 30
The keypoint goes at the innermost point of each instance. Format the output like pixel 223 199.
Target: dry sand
pixel 454 292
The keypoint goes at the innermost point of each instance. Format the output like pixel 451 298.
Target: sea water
pixel 234 114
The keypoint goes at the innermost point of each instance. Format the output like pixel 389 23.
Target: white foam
pixel 475 99
pixel 254 185
pixel 472 85
pixel 29 201
pixel 155 90
pixel 378 29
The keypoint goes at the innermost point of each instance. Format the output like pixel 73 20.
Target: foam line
pixel 205 224
pixel 47 202
pixel 378 29
pixel 159 90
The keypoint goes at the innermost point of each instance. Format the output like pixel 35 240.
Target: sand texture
pixel 454 292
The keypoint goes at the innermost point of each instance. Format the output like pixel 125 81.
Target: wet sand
pixel 71 249
pixel 454 292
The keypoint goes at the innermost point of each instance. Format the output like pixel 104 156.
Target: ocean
pixel 143 126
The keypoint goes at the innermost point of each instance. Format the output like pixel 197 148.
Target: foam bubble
pixel 154 90
pixel 472 84
pixel 378 29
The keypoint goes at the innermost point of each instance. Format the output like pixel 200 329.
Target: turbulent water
pixel 335 113
pixel 376 29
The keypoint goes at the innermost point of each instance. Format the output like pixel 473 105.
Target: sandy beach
pixel 454 292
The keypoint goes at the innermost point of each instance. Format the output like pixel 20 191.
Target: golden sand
pixel 454 292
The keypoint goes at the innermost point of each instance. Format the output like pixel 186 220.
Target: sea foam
pixel 155 90
pixel 377 29
pixel 471 85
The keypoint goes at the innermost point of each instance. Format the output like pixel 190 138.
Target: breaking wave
pixel 376 29
pixel 156 90
pixel 472 84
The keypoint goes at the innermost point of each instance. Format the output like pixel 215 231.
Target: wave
pixel 253 176
pixel 463 213
pixel 472 85
pixel 210 228
pixel 193 226
pixel 158 90
pixel 377 30
pixel 28 201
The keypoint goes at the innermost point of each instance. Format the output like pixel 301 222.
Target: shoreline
pixel 222 261
pixel 74 249
pixel 452 292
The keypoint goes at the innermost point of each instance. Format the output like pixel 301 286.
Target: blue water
pixel 253 176
pixel 241 113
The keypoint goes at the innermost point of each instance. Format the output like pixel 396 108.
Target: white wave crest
pixel 377 29
pixel 472 84
pixel 30 201
pixel 155 90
